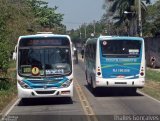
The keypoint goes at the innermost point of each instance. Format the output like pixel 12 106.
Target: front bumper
pixel 119 82
pixel 48 92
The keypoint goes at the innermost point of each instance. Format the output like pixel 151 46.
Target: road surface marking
pixel 85 103
pixel 148 96
pixel 11 107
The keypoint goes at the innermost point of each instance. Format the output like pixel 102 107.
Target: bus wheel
pixel 132 90
pixel 86 75
pixel 93 89
pixel 24 101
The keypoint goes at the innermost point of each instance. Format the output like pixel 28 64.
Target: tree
pixel 4 41
pixel 130 20
pixel 151 24
pixel 21 17
pixel 45 16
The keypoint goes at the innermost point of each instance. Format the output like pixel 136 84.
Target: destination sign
pixel 44 41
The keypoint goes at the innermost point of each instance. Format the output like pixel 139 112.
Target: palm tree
pixel 130 20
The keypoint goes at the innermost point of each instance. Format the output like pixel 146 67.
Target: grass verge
pixel 8 89
pixel 6 96
pixel 153 75
pixel 152 86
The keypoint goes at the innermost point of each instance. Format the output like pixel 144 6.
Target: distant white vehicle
pixel 74 48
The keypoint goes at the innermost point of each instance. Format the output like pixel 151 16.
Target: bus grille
pixel 44 81
pixel 120 83
pixel 45 92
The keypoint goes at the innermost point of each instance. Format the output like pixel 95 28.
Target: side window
pixel 94 48
pixel 89 49
pixel 93 51
pixel 86 51
pixel 158 50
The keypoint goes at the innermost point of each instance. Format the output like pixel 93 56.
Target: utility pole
pixel 139 18
pixel 85 31
pixel 94 27
pixel 80 34
pixel 109 27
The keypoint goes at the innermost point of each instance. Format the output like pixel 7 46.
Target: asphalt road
pixel 106 105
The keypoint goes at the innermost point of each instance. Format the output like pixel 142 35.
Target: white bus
pixel 112 61
pixel 44 66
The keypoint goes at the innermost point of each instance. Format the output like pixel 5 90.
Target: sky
pixel 78 12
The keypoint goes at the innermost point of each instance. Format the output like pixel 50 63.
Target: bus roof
pixel 43 35
pixel 120 37
pixel 94 40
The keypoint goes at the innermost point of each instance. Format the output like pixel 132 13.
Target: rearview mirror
pixel 14 56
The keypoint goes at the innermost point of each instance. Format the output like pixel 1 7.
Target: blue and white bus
pixel 112 61
pixel 44 66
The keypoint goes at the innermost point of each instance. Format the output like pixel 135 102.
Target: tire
pixel 87 79
pixel 86 75
pixel 24 101
pixel 93 89
pixel 132 90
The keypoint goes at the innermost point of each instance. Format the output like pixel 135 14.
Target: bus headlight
pixel 66 83
pixel 24 85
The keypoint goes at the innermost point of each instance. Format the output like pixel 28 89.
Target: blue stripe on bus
pixel 45 82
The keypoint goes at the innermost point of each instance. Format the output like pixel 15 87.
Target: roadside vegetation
pixel 153 75
pixel 152 86
pixel 7 86
pixel 21 17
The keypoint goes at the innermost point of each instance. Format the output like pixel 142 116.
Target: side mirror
pixel 14 56
pixel 82 56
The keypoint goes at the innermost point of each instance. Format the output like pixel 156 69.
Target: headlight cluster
pixel 24 85
pixel 66 83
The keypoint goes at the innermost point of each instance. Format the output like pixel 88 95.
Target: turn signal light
pixel 98 73
pixel 142 74
pixel 65 92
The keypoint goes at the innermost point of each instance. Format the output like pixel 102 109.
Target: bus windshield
pixel 121 48
pixel 44 60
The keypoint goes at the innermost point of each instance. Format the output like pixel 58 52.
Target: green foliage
pixel 153 75
pixel 152 23
pixel 4 46
pixel 150 15
pixel 4 55
pixel 8 90
pixel 86 31
pixel 45 16
pixel 127 22
pixel 4 84
pixel 21 17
